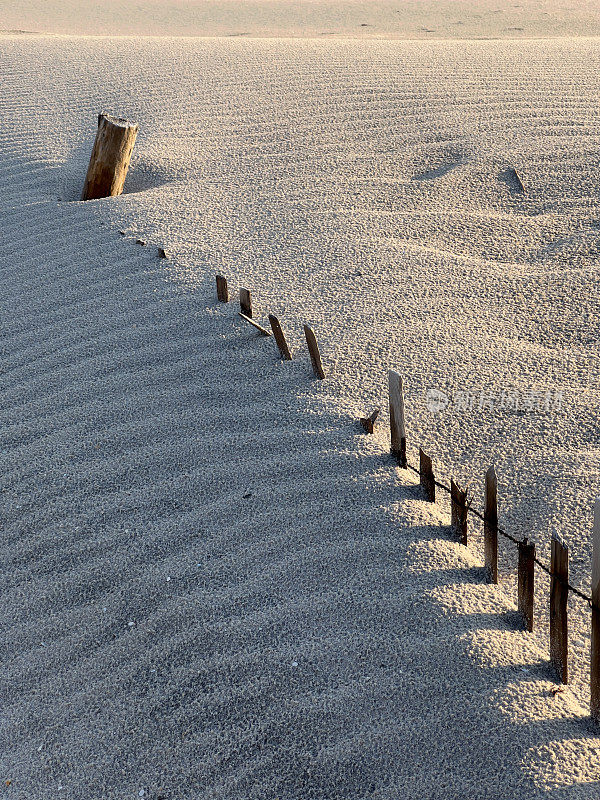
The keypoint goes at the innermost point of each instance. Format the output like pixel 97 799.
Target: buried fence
pixel 461 507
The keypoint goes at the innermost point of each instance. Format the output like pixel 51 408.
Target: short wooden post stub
pixel 525 582
pixel 559 593
pixel 162 253
pixel 368 423
pixel 246 302
pixel 397 425
pixel 280 340
pixel 222 290
pixel 595 650
pixel 490 525
pixel 111 155
pixel 458 512
pixel 313 349
pixel 259 328
pixel 426 476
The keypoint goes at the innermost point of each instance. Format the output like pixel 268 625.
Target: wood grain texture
pixel 525 582
pixel 280 339
pixel 111 155
pixel 246 302
pixel 458 512
pixel 222 290
pixel 313 349
pixel 426 476
pixel 490 525
pixel 397 424
pixel 559 594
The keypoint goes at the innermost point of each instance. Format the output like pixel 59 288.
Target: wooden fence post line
pixel 397 426
pixel 246 302
pixel 559 593
pixel 490 525
pixel 259 328
pixel 110 157
pixel 458 512
pixel 525 582
pixel 595 654
pixel 426 476
pixel 222 290
pixel 313 349
pixel 285 351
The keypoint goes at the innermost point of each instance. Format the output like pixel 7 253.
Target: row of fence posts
pixel 460 507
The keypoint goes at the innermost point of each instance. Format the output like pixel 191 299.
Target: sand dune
pixel 214 584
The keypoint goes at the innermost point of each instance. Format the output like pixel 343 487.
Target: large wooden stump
pixel 110 157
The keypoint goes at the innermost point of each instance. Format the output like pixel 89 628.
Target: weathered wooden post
pixel 458 512
pixel 313 349
pixel 490 525
pixel 397 426
pixel 259 328
pixel 426 476
pixel 559 593
pixel 246 302
pixel 110 157
pixel 595 653
pixel 222 290
pixel 285 351
pixel 368 423
pixel 525 582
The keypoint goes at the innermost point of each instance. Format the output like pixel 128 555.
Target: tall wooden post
pixel 313 349
pixel 426 476
pixel 595 665
pixel 458 512
pixel 490 525
pixel 280 340
pixel 559 593
pixel 110 157
pixel 525 582
pixel 397 426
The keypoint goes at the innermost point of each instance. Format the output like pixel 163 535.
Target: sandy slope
pixel 302 624
pixel 401 19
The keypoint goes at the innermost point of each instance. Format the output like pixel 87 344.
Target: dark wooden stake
pixel 397 426
pixel 313 349
pixel 595 653
pixel 246 302
pixel 263 331
pixel 110 157
pixel 368 423
pixel 427 478
pixel 285 351
pixel 525 582
pixel 490 525
pixel 559 594
pixel 222 290
pixel 458 512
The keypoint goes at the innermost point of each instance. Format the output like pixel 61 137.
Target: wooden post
pixel 368 423
pixel 559 593
pixel 490 525
pixel 285 351
pixel 427 479
pixel 595 653
pixel 313 349
pixel 246 302
pixel 458 512
pixel 525 582
pixel 262 331
pixel 397 426
pixel 222 290
pixel 110 157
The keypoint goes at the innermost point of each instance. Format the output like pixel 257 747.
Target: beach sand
pixel 214 584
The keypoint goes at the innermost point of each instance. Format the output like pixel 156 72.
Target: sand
pixel 214 584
